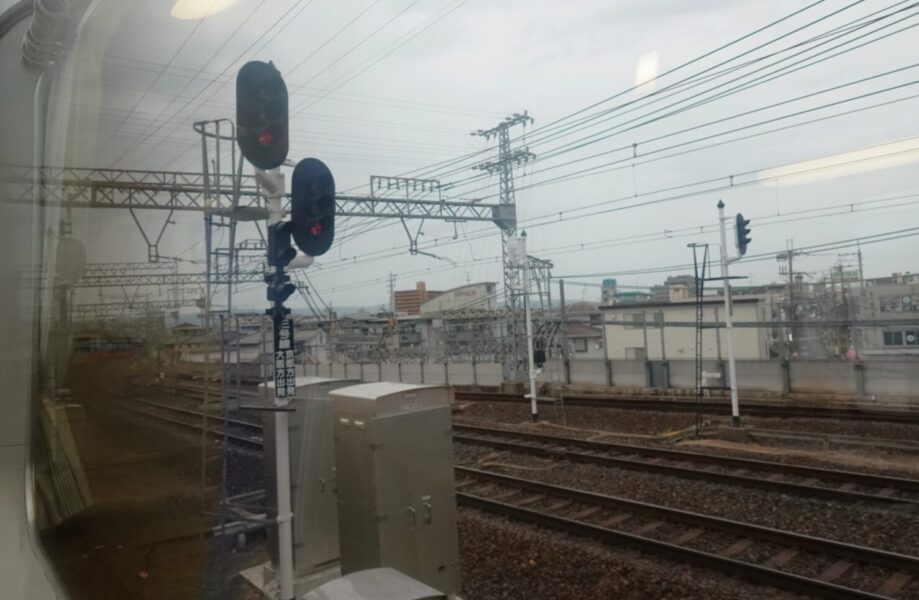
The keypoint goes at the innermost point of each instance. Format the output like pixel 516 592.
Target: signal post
pixel 262 135
pixel 742 231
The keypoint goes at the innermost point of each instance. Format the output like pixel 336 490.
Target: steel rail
pixel 862 554
pixel 596 455
pixel 896 415
pixel 733 567
pixel 219 435
pixel 736 568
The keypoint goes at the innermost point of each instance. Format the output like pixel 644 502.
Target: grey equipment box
pixel 312 474
pixel 396 492
pixel 375 584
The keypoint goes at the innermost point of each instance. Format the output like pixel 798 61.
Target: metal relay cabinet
pixel 396 491
pixel 312 474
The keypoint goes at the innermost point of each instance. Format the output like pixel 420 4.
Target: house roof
pixel 583 331
pixel 681 303
pixel 580 307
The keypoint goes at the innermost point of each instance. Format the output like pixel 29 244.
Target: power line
pixel 696 80
pixel 263 40
pixel 399 44
pixel 731 181
pixel 657 236
pixel 845 29
pixel 542 130
pixel 633 147
pixel 354 47
pixel 835 245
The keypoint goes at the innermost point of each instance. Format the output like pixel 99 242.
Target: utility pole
pixel 699 291
pixel 531 368
pixel 392 293
pixel 728 312
pixel 564 328
pixel 792 309
pixel 861 266
pixel 504 166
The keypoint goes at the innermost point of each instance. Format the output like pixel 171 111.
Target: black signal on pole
pixel 312 207
pixel 280 252
pixel 743 234
pixel 261 114
pixel 279 290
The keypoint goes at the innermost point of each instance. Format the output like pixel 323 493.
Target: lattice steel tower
pixel 504 166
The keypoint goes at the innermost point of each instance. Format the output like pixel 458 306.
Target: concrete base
pixel 263 578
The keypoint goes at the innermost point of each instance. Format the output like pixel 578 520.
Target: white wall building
pixel 634 332
pixel 480 296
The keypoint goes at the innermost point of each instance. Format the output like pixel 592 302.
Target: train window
pixel 518 299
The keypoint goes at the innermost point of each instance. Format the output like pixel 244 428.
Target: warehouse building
pixel 479 296
pixel 642 331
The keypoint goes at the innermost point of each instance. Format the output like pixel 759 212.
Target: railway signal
pixel 743 233
pixel 261 114
pixel 280 252
pixel 312 207
pixel 742 242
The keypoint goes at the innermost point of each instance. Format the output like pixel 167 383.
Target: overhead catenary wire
pixel 263 40
pixel 631 147
pixel 686 190
pixel 535 135
pixel 827 246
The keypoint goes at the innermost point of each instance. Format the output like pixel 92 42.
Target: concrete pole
pixel 728 318
pixel 531 368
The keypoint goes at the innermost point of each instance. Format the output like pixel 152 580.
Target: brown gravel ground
pixel 601 419
pixel 630 429
pixel 861 460
pixel 888 529
pixel 502 560
pixel 648 422
pixel 865 460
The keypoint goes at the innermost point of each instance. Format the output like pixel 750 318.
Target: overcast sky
pixel 368 105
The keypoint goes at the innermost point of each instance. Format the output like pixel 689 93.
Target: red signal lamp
pixel 316 229
pixel 266 138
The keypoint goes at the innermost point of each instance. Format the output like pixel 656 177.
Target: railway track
pixel 769 556
pixel 894 414
pixel 778 558
pixel 830 484
pixel 241 433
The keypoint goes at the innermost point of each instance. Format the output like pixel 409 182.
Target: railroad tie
pixel 483 489
pixel 531 500
pixel 618 519
pixel 559 505
pixel 506 494
pixel 893 585
pixel 648 528
pixel 587 512
pixel 687 537
pixel 887 492
pixel 782 558
pixel 737 547
pixel 835 570
pixel 847 487
pixel 810 481
pixel 465 483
